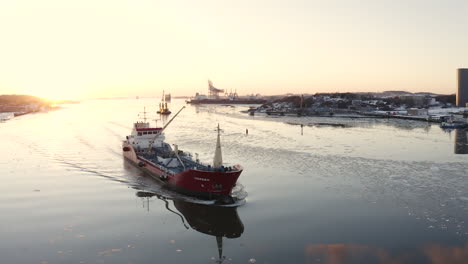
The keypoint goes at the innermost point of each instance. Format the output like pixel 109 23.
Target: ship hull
pixel 197 183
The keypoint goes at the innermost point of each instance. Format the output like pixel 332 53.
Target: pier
pixel 426 118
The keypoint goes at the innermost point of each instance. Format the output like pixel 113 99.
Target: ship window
pixel 139 133
pixel 145 133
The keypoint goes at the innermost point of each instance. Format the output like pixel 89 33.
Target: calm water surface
pixel 371 191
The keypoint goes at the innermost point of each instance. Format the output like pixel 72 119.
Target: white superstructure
pixel 143 134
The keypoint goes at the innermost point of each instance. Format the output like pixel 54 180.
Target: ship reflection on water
pixel 216 221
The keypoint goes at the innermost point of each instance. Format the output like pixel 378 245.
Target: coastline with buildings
pixel 392 104
pixel 421 106
pixel 449 110
pixel 17 105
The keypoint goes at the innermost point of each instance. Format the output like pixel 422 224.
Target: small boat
pixel 453 125
pixel 163 109
pixel 20 113
pixel 276 113
pixel 177 169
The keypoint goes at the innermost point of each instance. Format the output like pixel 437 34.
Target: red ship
pixel 177 169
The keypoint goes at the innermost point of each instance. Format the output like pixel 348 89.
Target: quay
pixel 426 118
pixel 435 117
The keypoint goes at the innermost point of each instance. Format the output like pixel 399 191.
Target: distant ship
pixel 167 97
pixel 146 148
pixel 20 113
pixel 229 98
pixel 163 109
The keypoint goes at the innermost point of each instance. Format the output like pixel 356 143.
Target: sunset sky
pixel 111 48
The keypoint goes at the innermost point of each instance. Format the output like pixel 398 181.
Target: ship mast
pixel 144 113
pixel 219 242
pixel 218 158
pixel 161 104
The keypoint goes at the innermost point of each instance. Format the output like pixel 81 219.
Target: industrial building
pixel 462 93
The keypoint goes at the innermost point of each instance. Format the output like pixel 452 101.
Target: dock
pixel 426 118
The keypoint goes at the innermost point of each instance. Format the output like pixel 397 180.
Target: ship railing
pixel 199 165
pixel 157 164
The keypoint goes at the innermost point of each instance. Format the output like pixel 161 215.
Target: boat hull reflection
pixel 211 220
pixel 216 221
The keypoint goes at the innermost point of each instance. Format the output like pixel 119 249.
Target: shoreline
pixel 5 116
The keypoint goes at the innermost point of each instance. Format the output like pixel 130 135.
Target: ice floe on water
pixel 435 193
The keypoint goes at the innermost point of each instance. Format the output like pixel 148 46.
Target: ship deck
pixel 187 161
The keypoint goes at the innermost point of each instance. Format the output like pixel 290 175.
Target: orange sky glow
pixel 119 48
